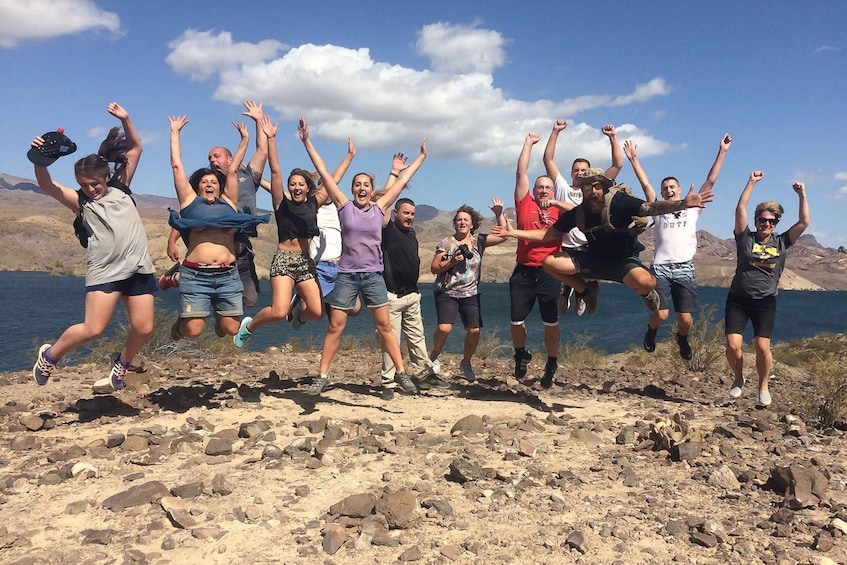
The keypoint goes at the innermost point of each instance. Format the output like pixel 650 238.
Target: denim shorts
pixel 349 285
pixel 675 283
pixel 136 285
pixel 327 273
pixel 202 291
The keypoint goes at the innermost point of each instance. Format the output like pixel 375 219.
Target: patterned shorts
pixel 295 264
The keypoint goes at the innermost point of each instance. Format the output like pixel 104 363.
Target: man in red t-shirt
pixel 529 281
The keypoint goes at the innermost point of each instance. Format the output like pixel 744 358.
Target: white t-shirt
pixel 676 236
pixel 327 246
pixel 566 193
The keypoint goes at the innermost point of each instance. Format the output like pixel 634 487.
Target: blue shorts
pixel 349 285
pixel 327 273
pixel 136 285
pixel 201 290
pixel 675 283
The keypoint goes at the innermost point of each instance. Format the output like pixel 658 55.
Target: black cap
pixel 56 144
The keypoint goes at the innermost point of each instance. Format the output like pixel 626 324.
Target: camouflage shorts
pixel 294 264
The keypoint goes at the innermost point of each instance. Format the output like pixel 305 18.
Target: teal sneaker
pixel 243 334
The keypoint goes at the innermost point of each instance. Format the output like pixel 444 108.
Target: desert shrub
pixel 352 343
pixel 707 340
pixel 577 351
pixel 804 352
pixel 822 401
pixel 491 346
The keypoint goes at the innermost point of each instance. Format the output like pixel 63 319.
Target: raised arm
pixel 617 155
pixel 338 198
pixel 231 192
pixel 521 176
pixel 269 130
pixel 257 162
pixel 64 195
pixel 398 163
pixel 342 167
pixel 184 192
pixel 712 176
pixel 507 230
pixel 631 151
pixel 691 200
pixel 550 149
pixel 133 143
pixel 500 219
pixel 795 231
pixel 386 201
pixel 741 207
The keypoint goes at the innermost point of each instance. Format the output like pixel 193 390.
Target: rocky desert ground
pixel 627 459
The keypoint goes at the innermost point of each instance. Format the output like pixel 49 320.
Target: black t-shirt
pixel 400 257
pixel 608 245
pixel 295 220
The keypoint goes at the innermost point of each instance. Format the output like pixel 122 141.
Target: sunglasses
pixel 771 221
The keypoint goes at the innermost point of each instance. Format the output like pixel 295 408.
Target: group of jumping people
pixel 337 253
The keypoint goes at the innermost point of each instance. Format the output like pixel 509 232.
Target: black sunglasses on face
pixel 771 221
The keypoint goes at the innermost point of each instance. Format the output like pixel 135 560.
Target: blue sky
pixel 473 78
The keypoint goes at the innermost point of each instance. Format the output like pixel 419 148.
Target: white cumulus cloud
pixel 344 92
pixel 841 176
pixel 461 49
pixel 200 54
pixel 39 20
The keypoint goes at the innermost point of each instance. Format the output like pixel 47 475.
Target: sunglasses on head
pixel 771 221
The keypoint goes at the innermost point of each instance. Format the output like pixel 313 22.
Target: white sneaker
pixel 735 391
pixel 436 366
pixel 579 306
pixel 764 398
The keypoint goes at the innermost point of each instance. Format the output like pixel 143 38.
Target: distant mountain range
pixel 36 235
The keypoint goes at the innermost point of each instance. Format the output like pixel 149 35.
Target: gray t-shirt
pixel 117 242
pixel 247 188
pixel 760 264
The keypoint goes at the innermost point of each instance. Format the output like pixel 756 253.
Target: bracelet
pixel 395 175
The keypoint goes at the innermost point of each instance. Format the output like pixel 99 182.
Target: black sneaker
pixel 684 347
pixel 432 381
pixel 650 339
pixel 549 373
pixel 521 363
pixel 387 393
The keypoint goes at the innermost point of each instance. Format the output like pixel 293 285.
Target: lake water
pixel 37 307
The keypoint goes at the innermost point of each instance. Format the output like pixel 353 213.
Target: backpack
pixel 636 225
pixel 82 199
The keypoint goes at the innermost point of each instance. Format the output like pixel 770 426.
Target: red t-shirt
pixel 531 217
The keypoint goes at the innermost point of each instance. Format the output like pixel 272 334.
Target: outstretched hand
pixel 630 149
pixel 726 141
pixel 178 122
pixel 423 147
pixel 303 129
pixel 253 110
pixel 503 231
pixel 269 128
pixel 496 206
pixel 351 149
pixel 242 129
pixel 117 110
pixel 399 162
pixel 698 199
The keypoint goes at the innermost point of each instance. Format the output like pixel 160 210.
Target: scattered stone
pixel 177 512
pixel 627 436
pixel 24 443
pixel 333 538
pixel 576 540
pixel 135 443
pixel 412 554
pixel 114 439
pixel 462 471
pixel 527 447
pixel 209 532
pixel 32 423
pixel 77 507
pixel 220 485
pixel 441 506
pixel 586 436
pixel 469 425
pixel 99 537
pixel 803 487
pixel 168 543
pixel 83 467
pixel 686 451
pixel 189 490
pixel 145 493
pixel 704 539
pixel 354 506
pixel 399 508
pixel 839 524
pixel 218 446
pixel 451 552
pixel 272 451
pixel 724 477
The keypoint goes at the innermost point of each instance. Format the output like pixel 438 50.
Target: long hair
pixel 111 150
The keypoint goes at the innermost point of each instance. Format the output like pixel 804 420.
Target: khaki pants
pixel 404 313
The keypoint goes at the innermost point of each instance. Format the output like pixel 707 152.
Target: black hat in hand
pixel 56 144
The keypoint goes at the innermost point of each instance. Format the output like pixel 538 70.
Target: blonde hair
pixel 771 206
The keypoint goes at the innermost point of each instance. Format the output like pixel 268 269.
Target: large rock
pixel 151 491
pixel 803 487
pixel 354 506
pixel 399 508
pixel 468 425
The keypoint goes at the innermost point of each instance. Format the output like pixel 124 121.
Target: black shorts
pixel 591 266
pixel 528 283
pixel 136 285
pixel 760 311
pixel 446 308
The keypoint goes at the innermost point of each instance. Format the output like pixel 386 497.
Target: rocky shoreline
pixel 226 460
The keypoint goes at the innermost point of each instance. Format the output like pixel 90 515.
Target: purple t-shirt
pixel 361 238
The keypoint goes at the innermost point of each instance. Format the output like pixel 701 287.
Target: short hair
pixel 771 206
pixel 197 176
pixel 401 201
pixel 581 160
pixel 669 178
pixel 476 217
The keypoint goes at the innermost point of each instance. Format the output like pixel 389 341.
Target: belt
pixel 214 268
